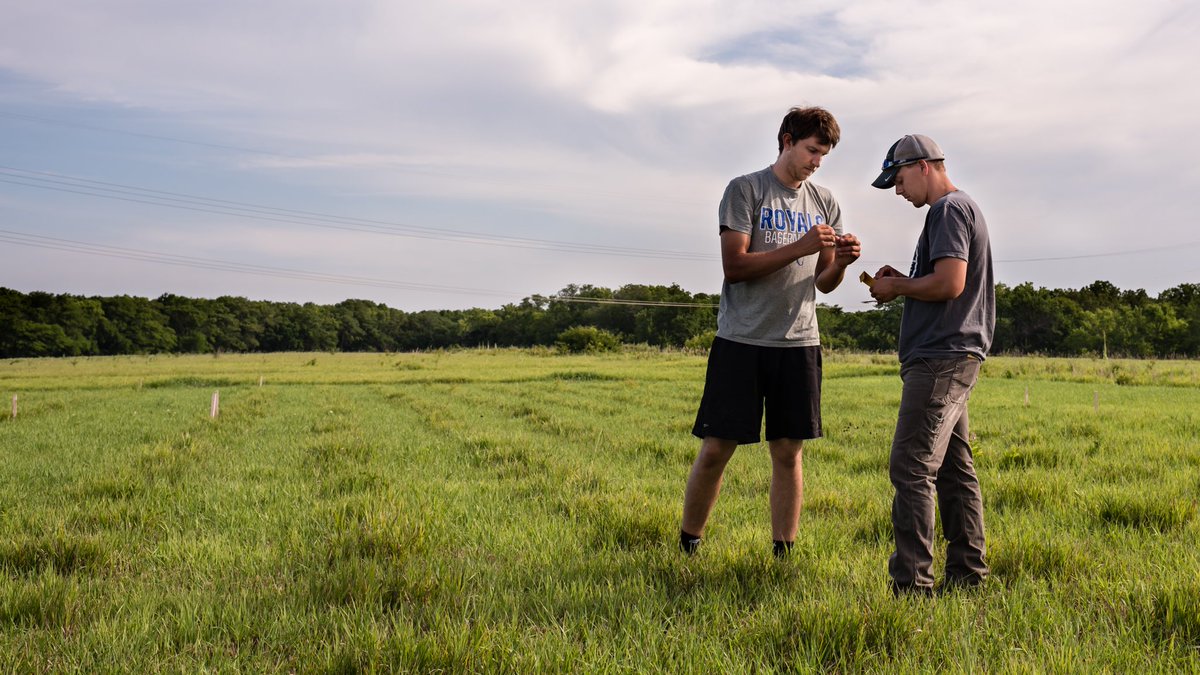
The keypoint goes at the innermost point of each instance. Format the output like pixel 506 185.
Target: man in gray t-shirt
pixel 781 239
pixel 945 333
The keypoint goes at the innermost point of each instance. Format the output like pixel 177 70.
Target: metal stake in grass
pixel 216 405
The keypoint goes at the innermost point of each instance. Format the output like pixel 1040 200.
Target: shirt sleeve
pixel 737 207
pixel 950 234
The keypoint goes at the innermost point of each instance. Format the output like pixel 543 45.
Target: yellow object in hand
pixel 867 279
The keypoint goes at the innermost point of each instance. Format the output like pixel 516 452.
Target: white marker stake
pixel 1096 401
pixel 216 405
pixel 260 380
pixel 1026 397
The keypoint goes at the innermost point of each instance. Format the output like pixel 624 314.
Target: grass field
pixel 517 511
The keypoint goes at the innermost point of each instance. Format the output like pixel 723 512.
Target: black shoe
pixel 964 584
pixel 911 590
pixel 688 543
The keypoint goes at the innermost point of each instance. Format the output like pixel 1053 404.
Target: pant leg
pixel 933 399
pixel 961 505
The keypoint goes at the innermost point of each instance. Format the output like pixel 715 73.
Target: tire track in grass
pixel 534 456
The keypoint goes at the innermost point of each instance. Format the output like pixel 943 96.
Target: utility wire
pixel 107 130
pixel 183 201
pixel 140 195
pixel 179 200
pixel 75 246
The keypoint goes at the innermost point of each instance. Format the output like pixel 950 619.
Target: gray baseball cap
pixel 907 150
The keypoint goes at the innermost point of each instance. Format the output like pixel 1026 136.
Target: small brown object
pixel 867 279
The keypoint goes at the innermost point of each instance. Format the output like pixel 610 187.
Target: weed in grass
pixel 580 376
pixel 346 483
pixel 874 527
pixel 1018 556
pixel 47 600
pixel 1176 614
pixel 1023 490
pixel 339 449
pixel 168 462
pixel 1025 458
pixel 834 635
pixel 373 557
pixel 1159 513
pixel 192 382
pixel 501 460
pixel 831 503
pixel 621 522
pixel 121 488
pixel 61 552
pixel 540 420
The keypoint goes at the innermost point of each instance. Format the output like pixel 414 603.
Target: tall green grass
pixel 517 511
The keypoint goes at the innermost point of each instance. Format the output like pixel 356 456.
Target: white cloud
pixel 621 121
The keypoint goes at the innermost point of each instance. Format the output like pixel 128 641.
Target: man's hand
pixel 847 250
pixel 816 240
pixel 884 288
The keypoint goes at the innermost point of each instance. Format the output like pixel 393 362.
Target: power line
pixel 1172 247
pixel 643 303
pixel 183 201
pixel 87 248
pixel 74 246
pixel 138 134
pixel 141 195
pixel 425 170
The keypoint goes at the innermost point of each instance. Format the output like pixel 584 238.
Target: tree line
pixel 1099 319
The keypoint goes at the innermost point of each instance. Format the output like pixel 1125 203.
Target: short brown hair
pixel 800 123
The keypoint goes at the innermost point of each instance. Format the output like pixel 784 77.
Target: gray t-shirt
pixel 954 228
pixel 780 309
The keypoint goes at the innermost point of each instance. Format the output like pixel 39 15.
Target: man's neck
pixel 942 189
pixel 782 175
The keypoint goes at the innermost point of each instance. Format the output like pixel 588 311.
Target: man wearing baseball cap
pixel 945 332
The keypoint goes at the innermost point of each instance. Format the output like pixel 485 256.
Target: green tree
pixel 188 319
pixel 133 326
pixel 587 339
pixel 1185 300
pixel 478 327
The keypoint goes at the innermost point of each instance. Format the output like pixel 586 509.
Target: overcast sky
pixel 444 155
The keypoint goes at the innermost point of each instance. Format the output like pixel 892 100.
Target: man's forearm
pixel 830 277
pixel 929 288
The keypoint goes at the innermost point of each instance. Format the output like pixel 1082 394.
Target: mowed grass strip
pixel 506 510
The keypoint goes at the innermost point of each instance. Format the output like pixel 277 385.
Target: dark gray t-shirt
pixel 780 309
pixel 954 228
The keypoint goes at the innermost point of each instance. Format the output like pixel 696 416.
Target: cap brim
pixel 886 180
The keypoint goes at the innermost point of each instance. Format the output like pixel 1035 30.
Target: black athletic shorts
pixel 742 377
